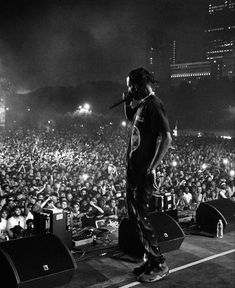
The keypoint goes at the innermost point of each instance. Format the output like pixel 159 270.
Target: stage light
pixel 123 123
pixel 28 110
pixel 85 109
pixel 174 163
pixel 232 173
pixel 225 161
pixel 86 106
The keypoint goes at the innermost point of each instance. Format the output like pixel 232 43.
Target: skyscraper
pixel 173 52
pixel 220 29
pixel 219 52
pixel 158 56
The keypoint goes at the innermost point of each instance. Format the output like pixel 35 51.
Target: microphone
pixel 127 98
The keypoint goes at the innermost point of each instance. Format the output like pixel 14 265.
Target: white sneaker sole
pixel 153 279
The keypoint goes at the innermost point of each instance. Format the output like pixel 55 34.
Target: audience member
pixel 84 174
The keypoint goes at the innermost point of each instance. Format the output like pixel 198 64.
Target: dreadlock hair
pixel 141 77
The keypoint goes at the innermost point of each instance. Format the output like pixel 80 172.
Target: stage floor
pixel 201 261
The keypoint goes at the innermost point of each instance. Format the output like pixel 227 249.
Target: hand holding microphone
pixel 127 97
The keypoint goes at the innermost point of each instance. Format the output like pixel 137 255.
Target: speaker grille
pixel 35 257
pixel 169 235
pixel 165 227
pixel 209 213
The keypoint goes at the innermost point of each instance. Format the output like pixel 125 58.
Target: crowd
pixel 84 175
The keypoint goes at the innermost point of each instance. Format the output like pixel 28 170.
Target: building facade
pixel 228 66
pixel 190 72
pixel 219 56
pixel 220 29
pixel 158 56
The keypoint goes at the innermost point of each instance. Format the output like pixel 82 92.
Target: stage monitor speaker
pixel 55 223
pixel 173 213
pixel 209 213
pixel 168 233
pixel 41 261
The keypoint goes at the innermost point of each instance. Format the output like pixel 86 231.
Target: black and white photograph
pixel 117 143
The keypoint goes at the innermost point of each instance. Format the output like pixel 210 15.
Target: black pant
pixel 138 196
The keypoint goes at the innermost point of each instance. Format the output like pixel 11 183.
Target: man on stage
pixel 150 140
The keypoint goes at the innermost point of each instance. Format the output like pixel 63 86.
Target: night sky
pixel 48 43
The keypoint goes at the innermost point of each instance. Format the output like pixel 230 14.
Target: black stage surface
pixel 201 261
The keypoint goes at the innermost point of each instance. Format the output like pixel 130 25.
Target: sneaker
pixel 141 269
pixel 154 274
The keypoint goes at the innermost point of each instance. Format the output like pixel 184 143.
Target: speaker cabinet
pixel 209 213
pixel 56 223
pixel 173 213
pixel 41 261
pixel 168 233
pixel 163 203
